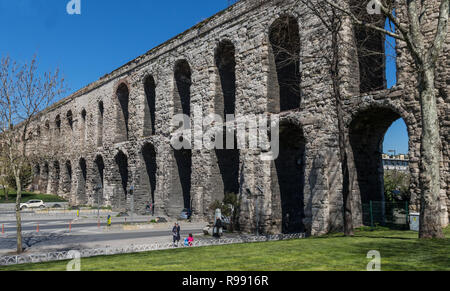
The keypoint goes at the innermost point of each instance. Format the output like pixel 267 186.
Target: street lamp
pixel 131 201
pixel 97 189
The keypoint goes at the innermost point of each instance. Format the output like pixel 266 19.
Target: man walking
pixel 176 234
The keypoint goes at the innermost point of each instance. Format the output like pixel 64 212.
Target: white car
pixel 32 204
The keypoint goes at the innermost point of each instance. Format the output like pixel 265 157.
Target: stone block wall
pixel 110 135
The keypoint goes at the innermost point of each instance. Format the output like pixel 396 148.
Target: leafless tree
pixel 24 92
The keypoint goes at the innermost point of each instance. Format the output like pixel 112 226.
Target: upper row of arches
pixel 284 82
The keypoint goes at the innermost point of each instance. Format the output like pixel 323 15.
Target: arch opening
pixel 123 96
pixel 69 117
pixel 370 48
pixel 101 112
pixel 99 178
pixel 44 178
pixel 225 171
pixel 288 179
pixel 55 178
pixel 150 106
pixel 183 82
pixel 376 168
pixel 285 73
pixel 149 177
pixel 81 191
pixel 36 177
pixel 67 179
pixel 225 101
pixel 58 124
pixel 180 195
pixel 121 161
pixel 83 126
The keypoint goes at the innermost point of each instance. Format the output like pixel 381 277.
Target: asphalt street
pixel 58 233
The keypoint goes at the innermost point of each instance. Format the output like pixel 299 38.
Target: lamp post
pixel 131 201
pixel 97 189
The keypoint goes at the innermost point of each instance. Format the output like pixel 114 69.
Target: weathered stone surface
pixel 116 132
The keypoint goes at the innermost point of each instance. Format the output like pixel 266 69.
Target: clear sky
pixel 108 34
pixel 396 137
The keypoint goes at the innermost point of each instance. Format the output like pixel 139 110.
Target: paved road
pixel 54 234
pixel 56 225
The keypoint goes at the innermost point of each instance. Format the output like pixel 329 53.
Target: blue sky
pixel 106 35
pixel 396 137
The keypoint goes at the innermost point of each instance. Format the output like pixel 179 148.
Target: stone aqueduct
pixel 116 131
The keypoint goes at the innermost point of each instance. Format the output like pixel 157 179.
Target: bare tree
pixel 24 92
pixel 425 53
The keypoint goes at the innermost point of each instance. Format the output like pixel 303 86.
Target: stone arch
pixel 47 130
pixel 284 91
pixel 225 97
pixel 58 124
pixel 101 111
pixel 182 86
pixel 122 99
pixel 55 177
pixel 370 48
pixel 149 106
pixel 83 115
pixel 225 171
pixel 69 117
pixel 36 177
pixel 180 190
pixel 66 182
pixel 122 179
pixel 288 179
pixel 366 134
pixel 99 178
pixel 43 187
pixel 148 174
pixel 82 181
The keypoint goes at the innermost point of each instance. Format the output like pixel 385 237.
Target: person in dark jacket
pixel 178 233
pixel 218 228
pixel 175 234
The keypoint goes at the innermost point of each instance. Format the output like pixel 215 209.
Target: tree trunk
pixel 343 137
pixel 18 217
pixel 430 224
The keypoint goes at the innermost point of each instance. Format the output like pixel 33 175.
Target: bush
pixel 396 186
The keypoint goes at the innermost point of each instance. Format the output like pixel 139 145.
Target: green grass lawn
pixel 26 196
pixel 400 250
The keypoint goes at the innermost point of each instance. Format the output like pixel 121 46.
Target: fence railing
pixel 86 253
pixel 392 214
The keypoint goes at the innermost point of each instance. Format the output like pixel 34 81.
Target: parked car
pixel 185 214
pixel 32 204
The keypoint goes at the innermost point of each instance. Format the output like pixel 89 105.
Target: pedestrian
pixel 108 221
pixel 174 234
pixel 178 233
pixel 190 239
pixel 218 228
